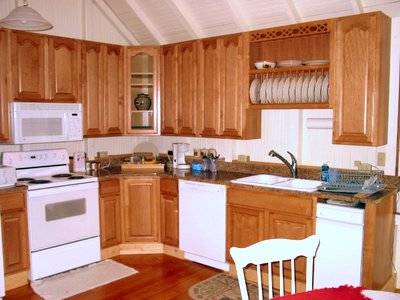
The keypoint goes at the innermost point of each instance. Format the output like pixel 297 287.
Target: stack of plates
pixel 289 63
pixel 291 89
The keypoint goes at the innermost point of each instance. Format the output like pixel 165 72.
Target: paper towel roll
pixel 319 123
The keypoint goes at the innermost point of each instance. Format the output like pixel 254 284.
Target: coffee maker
pixel 179 150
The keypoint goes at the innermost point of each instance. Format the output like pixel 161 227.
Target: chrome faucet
pixel 292 167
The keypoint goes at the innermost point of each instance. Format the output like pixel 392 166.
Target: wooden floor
pixel 160 277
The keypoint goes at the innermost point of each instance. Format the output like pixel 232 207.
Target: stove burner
pixel 61 175
pixel 39 181
pixel 25 179
pixel 76 177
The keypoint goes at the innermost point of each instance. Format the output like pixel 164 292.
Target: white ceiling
pixel 155 22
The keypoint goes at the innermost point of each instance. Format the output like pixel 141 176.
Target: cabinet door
pixel 15 232
pixel 361 48
pixel 114 90
pixel 169 211
pixel 187 89
pixel 4 91
pixel 169 90
pixel 245 226
pixel 28 66
pixel 208 88
pixel 64 69
pixel 231 86
pixel 143 90
pixel 93 89
pixel 110 220
pixel 141 209
pixel 291 227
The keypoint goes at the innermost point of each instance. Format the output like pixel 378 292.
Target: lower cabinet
pixel 141 209
pixel 255 215
pixel 110 213
pixel 169 201
pixel 15 231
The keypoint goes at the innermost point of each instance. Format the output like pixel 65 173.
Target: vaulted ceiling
pixel 159 22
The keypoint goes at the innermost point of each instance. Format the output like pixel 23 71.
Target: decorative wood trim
pixel 16 280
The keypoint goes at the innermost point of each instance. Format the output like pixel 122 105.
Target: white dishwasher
pixel 339 257
pixel 202 223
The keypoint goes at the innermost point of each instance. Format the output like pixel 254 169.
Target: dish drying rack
pixel 355 182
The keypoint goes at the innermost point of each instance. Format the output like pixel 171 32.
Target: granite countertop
pixel 225 177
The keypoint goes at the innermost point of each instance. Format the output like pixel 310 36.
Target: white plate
pixel 275 90
pixel 315 62
pixel 325 89
pixel 311 89
pixel 318 89
pixel 280 89
pixel 269 90
pixel 292 90
pixel 289 63
pixel 304 89
pixel 255 91
pixel 286 86
pixel 263 90
pixel 299 86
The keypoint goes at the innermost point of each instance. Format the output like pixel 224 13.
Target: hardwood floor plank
pixel 160 277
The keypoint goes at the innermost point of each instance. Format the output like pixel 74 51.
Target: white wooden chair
pixel 275 250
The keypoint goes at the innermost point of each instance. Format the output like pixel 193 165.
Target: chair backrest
pixel 275 250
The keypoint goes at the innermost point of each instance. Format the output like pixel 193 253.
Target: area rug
pixel 222 287
pixel 79 280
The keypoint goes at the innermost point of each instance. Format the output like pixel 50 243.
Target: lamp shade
pixel 25 18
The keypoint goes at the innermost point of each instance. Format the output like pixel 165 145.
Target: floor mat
pixel 79 280
pixel 222 287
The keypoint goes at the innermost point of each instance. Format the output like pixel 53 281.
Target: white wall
pixel 282 130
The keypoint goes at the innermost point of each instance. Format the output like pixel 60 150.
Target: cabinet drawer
pixel 169 186
pixel 12 200
pixel 109 186
pixel 272 201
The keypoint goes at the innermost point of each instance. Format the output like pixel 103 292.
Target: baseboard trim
pixel 16 280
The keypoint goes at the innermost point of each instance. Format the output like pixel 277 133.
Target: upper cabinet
pixel 178 87
pixel 142 103
pixel 4 87
pixel 300 78
pixel 45 68
pixel 360 85
pixel 102 89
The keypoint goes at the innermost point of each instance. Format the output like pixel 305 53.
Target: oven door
pixel 62 215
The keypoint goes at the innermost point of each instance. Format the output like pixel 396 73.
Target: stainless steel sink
pixel 279 182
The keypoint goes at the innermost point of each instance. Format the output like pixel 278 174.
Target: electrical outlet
pixel 381 159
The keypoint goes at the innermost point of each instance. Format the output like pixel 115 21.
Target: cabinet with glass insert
pixel 295 72
pixel 143 90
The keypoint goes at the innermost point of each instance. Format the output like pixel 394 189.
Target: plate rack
pixel 291 87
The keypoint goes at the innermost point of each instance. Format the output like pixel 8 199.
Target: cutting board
pixel 144 167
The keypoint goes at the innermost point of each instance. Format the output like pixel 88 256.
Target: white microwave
pixel 38 122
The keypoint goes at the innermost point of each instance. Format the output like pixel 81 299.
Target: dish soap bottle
pixel 325 172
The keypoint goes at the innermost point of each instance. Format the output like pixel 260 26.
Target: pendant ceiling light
pixel 25 18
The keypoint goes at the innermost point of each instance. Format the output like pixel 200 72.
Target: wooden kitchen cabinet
pixel 45 68
pixel 222 110
pixel 360 85
pixel 4 87
pixel 110 213
pixel 14 231
pixel 103 89
pixel 255 215
pixel 179 73
pixel 141 209
pixel 169 200
pixel 143 90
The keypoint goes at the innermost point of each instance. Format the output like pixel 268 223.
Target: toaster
pixel 7 176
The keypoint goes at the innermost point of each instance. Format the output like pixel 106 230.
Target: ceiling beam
pixel 116 22
pixel 357 6
pixel 147 22
pixel 238 14
pixel 185 18
pixel 292 11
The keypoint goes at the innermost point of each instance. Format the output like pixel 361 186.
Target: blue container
pixel 197 166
